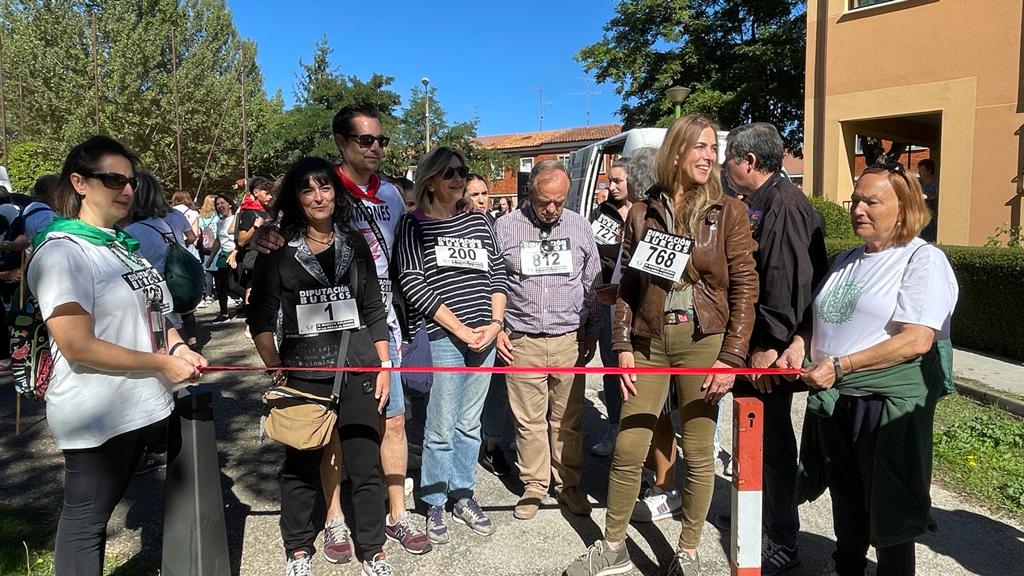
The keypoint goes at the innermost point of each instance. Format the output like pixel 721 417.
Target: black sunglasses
pixel 894 167
pixel 113 180
pixel 366 140
pixel 450 172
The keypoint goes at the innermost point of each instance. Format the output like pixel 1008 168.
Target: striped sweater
pixel 464 244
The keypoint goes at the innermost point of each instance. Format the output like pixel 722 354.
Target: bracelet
pixel 838 368
pixel 175 348
pixel 500 323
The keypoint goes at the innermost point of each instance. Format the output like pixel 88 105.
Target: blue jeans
pixel 451 440
pixel 396 402
pixel 610 359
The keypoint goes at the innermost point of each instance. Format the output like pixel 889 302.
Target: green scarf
pixel 89 233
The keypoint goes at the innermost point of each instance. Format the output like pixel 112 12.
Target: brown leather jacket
pixel 726 288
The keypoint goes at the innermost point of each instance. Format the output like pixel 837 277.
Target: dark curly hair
pixel 286 206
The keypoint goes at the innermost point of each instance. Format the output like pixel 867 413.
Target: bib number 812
pixel 545 259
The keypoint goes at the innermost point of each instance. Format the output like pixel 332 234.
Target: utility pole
pixel 22 122
pixel 95 69
pixel 245 127
pixel 540 102
pixel 177 111
pixel 426 109
pixel 3 109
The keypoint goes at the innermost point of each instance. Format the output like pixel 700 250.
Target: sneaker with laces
pixel 776 558
pixel 468 512
pixel 656 505
pixel 437 530
pixel 377 566
pixel 600 560
pixel 337 544
pixel 405 532
pixel 684 565
pixel 606 445
pixel 299 565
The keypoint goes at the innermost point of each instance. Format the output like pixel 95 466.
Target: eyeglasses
pixel 450 172
pixel 366 140
pixel 113 180
pixel 894 167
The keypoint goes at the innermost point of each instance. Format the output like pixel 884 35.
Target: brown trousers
pixel 547 410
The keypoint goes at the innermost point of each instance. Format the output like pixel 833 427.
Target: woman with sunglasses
pixel 311 270
pixel 115 359
pixel 686 299
pixel 453 279
pixel 880 319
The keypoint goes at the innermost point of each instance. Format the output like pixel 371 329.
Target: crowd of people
pixel 336 265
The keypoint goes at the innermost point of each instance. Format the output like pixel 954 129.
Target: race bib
pixel 385 293
pixel 326 310
pixel 662 254
pixel 606 230
pixel 540 257
pixel 149 285
pixel 461 253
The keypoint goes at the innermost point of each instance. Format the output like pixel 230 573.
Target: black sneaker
pixel 150 461
pixel 494 461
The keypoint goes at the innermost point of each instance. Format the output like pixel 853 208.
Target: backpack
pixel 209 236
pixel 31 360
pixel 183 273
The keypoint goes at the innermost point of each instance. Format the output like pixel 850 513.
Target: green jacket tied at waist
pixel 900 507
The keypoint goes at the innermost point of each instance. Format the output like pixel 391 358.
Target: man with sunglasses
pixel 378 204
pixel 552 321
pixel 790 262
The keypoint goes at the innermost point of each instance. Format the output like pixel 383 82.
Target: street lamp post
pixel 676 95
pixel 426 109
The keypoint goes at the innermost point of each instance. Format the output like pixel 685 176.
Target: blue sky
pixel 484 56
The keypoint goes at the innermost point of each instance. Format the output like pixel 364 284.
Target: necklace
pixel 328 242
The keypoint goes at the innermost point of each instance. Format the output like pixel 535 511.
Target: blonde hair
pixel 209 206
pixel 914 214
pixel 430 166
pixel 680 138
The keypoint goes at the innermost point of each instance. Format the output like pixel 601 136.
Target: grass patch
pixel 26 544
pixel 979 450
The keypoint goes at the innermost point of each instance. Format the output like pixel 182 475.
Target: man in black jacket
pixel 790 260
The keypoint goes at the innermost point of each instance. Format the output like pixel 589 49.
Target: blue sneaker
pixel 468 512
pixel 437 530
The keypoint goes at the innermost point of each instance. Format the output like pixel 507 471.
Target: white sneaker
pixel 298 565
pixel 203 303
pixel 606 445
pixel 656 505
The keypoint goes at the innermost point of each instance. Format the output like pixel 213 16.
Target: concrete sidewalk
pixel 971 539
pixel 990 379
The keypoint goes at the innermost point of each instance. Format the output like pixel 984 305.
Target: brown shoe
pixel 575 501
pixel 528 505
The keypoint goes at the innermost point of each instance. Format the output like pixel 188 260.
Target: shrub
pixel 989 314
pixel 837 218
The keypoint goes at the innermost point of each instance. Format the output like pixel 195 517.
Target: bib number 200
pixel 461 253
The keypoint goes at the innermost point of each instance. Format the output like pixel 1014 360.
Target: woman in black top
pixel 308 281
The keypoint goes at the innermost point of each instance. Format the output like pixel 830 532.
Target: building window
pixel 563 159
pixel 497 172
pixel 854 4
pixel 526 164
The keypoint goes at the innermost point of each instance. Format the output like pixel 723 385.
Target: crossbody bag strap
pixel 346 336
pixel 375 228
pixel 162 234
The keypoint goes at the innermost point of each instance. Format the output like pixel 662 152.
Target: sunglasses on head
pixel 366 140
pixel 450 172
pixel 113 180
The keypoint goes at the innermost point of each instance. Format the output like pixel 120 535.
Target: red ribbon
pixel 514 370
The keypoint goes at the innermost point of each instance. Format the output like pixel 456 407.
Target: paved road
pixel 971 540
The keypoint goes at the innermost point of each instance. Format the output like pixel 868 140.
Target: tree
pixel 743 59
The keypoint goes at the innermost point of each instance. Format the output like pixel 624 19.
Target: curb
pixel 986 395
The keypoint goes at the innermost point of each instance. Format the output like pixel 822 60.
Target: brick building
pixel 527 149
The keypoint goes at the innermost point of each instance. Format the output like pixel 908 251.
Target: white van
pixel 585 164
pixel 5 181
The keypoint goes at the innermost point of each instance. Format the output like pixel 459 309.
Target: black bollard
pixel 195 537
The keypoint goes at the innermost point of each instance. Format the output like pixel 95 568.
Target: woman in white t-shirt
pixel 110 391
pixel 220 258
pixel 881 321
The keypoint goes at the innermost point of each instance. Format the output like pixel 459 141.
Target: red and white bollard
pixel 747 450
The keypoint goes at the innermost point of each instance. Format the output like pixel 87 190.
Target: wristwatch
pixel 387 364
pixel 837 367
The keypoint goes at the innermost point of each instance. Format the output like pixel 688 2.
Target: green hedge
pixel 989 314
pixel 837 219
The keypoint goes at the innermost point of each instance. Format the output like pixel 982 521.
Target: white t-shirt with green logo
pixel 86 407
pixel 866 298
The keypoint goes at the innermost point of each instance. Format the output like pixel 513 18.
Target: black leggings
pixel 358 423
pixel 220 277
pixel 95 480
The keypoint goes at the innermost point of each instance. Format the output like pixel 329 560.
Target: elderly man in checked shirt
pixel 551 320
